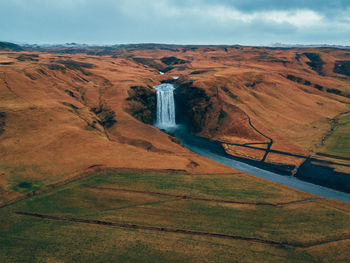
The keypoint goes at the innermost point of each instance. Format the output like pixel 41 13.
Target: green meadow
pixel 157 200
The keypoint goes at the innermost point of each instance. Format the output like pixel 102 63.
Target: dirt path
pixel 268 144
pixel 205 199
pixel 184 231
pixel 333 123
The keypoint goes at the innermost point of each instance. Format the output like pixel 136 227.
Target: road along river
pixel 214 150
pixel 211 150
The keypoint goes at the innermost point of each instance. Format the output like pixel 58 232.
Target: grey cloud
pixel 175 21
pixel 258 5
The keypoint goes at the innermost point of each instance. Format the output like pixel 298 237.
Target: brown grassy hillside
pixel 62 113
pixel 289 95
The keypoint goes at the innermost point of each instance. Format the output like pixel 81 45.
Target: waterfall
pixel 165 106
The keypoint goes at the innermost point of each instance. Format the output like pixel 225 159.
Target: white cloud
pixel 175 21
pixel 217 13
pixel 298 18
pixel 224 15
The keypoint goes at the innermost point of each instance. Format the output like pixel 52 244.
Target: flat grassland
pixel 337 145
pixel 112 216
pixel 339 141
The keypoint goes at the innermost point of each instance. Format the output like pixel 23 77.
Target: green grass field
pixel 337 145
pixel 339 141
pixel 29 239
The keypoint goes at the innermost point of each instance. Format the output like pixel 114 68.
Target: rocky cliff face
pixel 142 103
pixel 206 113
pixel 192 106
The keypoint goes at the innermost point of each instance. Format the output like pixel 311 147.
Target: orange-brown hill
pixel 61 113
pixel 289 95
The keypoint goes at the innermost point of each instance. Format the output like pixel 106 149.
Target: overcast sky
pixel 246 22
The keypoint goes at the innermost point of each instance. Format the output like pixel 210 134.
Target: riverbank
pixel 214 151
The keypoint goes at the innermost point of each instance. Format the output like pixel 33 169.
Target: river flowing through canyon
pixel 214 150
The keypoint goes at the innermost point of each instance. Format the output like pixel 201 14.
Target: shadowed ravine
pixel 214 150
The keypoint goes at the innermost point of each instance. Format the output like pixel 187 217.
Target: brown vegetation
pixel 62 113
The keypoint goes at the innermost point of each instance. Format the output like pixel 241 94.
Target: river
pixel 210 150
pixel 214 151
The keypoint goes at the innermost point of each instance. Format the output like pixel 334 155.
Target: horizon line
pixel 276 44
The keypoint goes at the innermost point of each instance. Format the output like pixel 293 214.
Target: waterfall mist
pixel 165 106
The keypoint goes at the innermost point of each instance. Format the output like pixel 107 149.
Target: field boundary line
pixel 187 197
pixel 78 175
pixel 184 231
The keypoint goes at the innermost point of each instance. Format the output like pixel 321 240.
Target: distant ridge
pixel 100 50
pixel 309 46
pixel 10 46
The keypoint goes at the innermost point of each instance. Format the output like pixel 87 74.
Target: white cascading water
pixel 165 106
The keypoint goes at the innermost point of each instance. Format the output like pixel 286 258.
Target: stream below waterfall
pixel 214 150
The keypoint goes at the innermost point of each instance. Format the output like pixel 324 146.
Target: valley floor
pixel 115 216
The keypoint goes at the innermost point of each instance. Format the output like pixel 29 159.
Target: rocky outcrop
pixel 192 106
pixel 2 122
pixel 56 67
pixel 150 62
pixel 77 65
pixel 206 113
pixel 316 63
pixel 165 64
pixel 197 72
pixel 342 67
pixel 106 117
pixel 298 80
pixel 170 61
pixel 28 57
pixel 142 103
pixel 305 82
